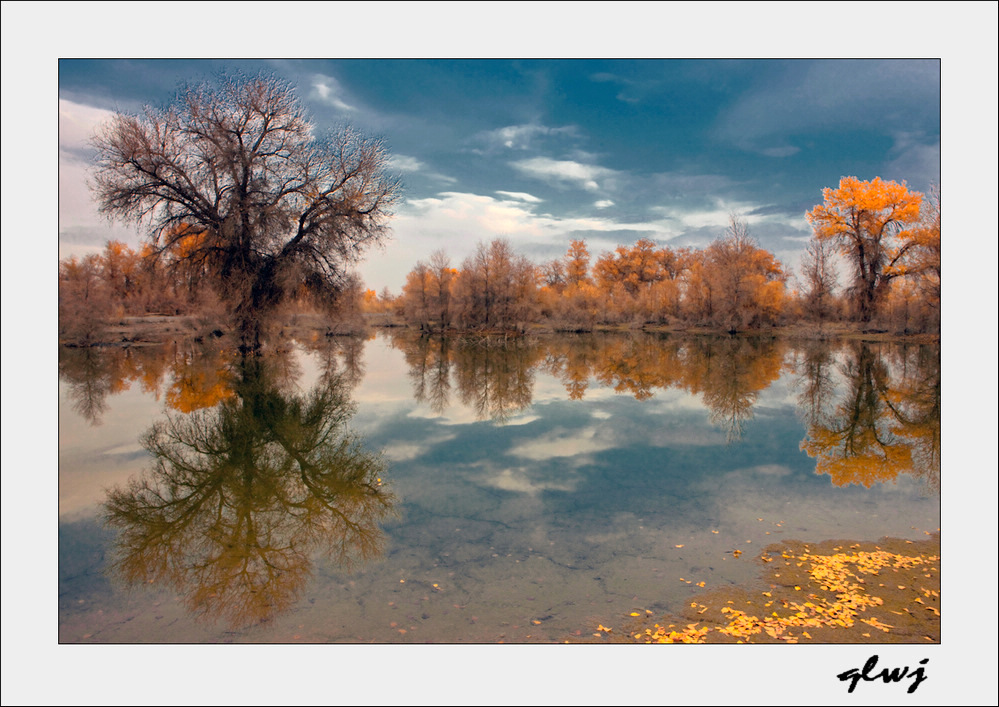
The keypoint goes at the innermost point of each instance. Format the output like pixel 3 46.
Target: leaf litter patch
pixel 835 591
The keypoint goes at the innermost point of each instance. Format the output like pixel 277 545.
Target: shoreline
pixel 155 329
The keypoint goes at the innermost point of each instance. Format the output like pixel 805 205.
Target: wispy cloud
pixel 521 196
pixel 411 165
pixel 77 123
pixel 523 137
pixel 519 480
pixel 914 158
pixel 603 203
pixel 586 176
pixel 564 443
pixel 831 95
pixel 457 221
pixel 81 229
pixel 627 93
pixel 490 217
pixel 405 163
pixel 328 90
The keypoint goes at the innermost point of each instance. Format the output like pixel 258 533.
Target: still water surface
pixel 407 489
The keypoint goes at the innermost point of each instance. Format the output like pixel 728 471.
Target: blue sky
pixel 544 151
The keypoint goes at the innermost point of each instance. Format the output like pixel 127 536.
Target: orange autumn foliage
pixel 867 222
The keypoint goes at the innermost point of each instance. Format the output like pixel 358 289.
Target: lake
pixel 407 489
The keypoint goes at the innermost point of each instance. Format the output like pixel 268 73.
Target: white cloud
pixel 715 216
pixel 405 163
pixel 329 91
pixel 457 221
pixel 77 123
pixel 563 444
pixel 575 173
pixel 82 230
pixel 521 196
pixel 603 204
pixel 522 137
pixel 519 480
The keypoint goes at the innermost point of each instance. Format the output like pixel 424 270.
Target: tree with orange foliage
pixel 735 283
pixel 496 289
pixel 577 263
pixel 867 221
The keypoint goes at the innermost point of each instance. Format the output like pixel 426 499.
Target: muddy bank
pixel 151 329
pixel 156 329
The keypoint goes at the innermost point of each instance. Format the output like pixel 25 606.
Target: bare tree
pixel 819 274
pixel 232 180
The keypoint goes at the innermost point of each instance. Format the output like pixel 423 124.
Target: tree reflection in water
pixel 496 378
pixel 886 420
pixel 242 495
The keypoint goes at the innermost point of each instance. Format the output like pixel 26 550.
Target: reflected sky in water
pixel 539 488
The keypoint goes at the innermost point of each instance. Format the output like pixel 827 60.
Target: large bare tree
pixel 232 180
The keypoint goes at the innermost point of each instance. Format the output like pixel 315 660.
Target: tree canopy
pixel 232 180
pixel 867 222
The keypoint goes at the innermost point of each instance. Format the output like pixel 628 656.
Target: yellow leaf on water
pixel 634 613
pixel 678 546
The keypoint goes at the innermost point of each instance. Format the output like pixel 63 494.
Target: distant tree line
pixel 883 237
pixel 888 237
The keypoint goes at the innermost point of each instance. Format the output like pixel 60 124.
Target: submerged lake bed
pixel 408 489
